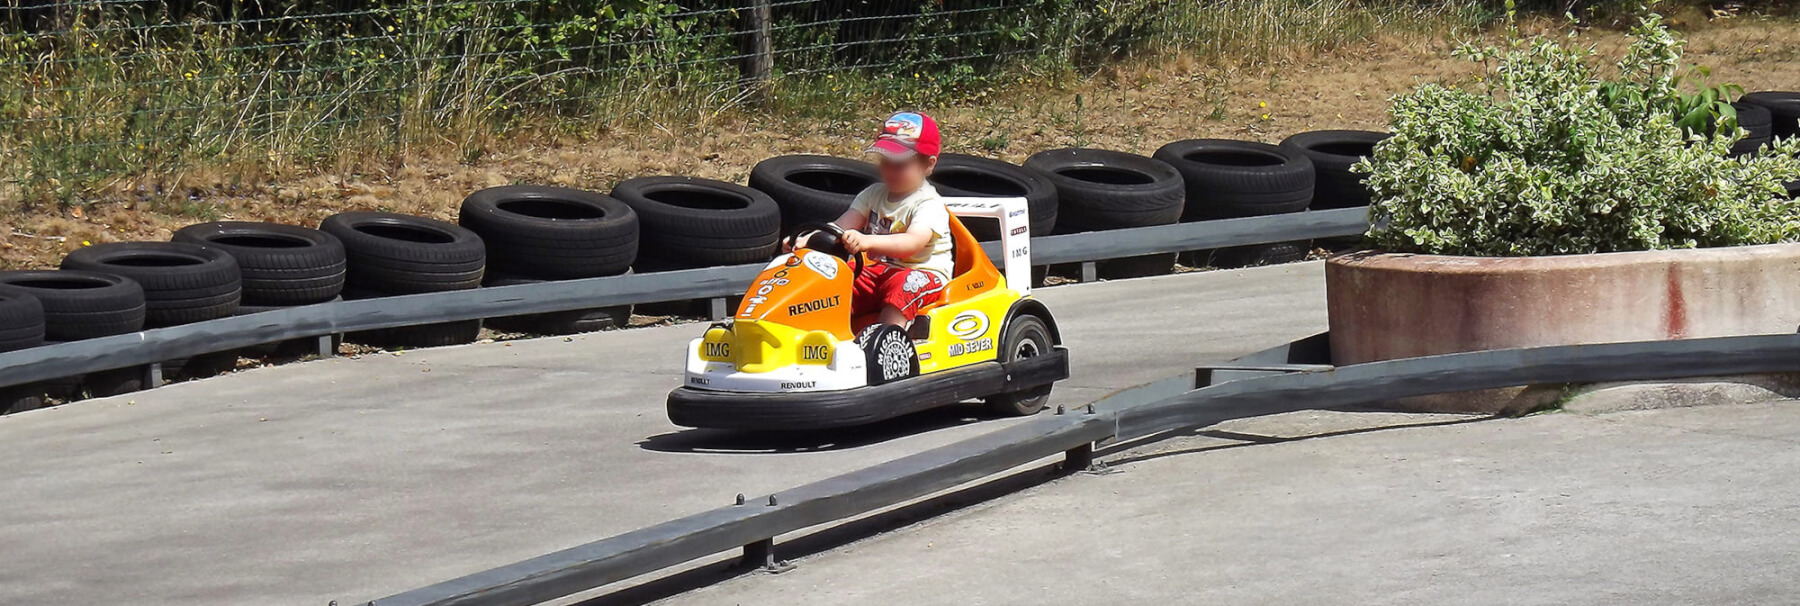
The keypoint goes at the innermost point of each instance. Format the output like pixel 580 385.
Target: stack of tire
pixel 182 283
pixel 21 327
pixel 1758 126
pixel 1784 111
pixel 1333 153
pixel 536 234
pixel 1784 120
pixel 811 189
pixel 282 265
pixel 1100 190
pixel 81 305
pixel 393 254
pixel 689 223
pixel 1234 179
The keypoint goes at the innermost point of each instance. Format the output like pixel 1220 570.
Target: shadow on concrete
pixel 700 441
pixel 1247 439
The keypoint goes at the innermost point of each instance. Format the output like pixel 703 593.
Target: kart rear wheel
pixel 1026 337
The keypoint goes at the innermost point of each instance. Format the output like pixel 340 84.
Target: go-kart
pixel 793 357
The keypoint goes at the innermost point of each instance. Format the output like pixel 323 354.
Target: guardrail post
pixel 153 376
pixel 1089 271
pixel 326 346
pixel 717 310
pixel 1079 458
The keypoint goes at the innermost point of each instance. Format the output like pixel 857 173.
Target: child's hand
pixel 855 241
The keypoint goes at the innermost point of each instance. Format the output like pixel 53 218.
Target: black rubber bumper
pixel 691 407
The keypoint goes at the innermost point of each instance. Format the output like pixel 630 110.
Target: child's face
pixel 906 175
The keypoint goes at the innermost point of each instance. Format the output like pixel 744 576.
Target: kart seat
pixel 974 274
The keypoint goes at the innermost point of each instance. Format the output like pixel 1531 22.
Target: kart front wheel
pixel 1025 337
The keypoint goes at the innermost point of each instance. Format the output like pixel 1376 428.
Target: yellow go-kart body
pixel 790 357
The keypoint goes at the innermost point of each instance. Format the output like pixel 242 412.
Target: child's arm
pixel 900 245
pixel 852 219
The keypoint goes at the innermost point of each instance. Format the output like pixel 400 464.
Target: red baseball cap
pixel 907 134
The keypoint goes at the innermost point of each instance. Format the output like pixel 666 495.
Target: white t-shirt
pixel 922 207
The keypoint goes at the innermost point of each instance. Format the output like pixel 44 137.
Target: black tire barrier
pixel 1784 111
pixel 1758 124
pixel 201 366
pixel 1333 152
pixel 395 254
pixel 422 335
pixel 21 327
pixel 20 399
pixel 182 282
pixel 554 233
pixel 1099 189
pixel 21 320
pixel 691 223
pixel 560 322
pixel 280 264
pixel 1231 179
pixel 116 382
pixel 811 189
pixel 392 254
pixel 1259 255
pixel 965 175
pixel 82 304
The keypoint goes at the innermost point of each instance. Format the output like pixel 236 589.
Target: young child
pixel 902 224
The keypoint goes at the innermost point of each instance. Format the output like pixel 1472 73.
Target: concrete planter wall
pixel 1385 306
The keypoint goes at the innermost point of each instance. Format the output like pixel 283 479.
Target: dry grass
pixel 1135 107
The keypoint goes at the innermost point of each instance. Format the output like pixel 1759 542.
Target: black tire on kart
pixel 183 282
pixel 688 222
pixel 1333 152
pixel 1025 336
pixel 811 189
pixel 558 322
pixel 1784 111
pixel 1100 190
pixel 395 254
pixel 280 264
pixel 975 176
pixel 890 354
pixel 553 233
pixel 82 304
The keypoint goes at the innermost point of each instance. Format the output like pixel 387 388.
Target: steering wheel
pixel 827 238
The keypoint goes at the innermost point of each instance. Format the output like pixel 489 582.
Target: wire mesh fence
pixel 98 89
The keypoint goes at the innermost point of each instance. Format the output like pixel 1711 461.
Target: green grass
pixel 108 104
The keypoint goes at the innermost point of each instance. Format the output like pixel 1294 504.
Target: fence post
pixel 758 61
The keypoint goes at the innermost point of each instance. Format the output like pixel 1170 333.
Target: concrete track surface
pixel 1674 506
pixel 351 479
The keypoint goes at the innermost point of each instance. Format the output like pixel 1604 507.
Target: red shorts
pixel 906 289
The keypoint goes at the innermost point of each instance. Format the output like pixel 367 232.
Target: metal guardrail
pixel 151 347
pixel 1131 414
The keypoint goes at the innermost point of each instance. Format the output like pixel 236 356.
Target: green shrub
pixel 1552 159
